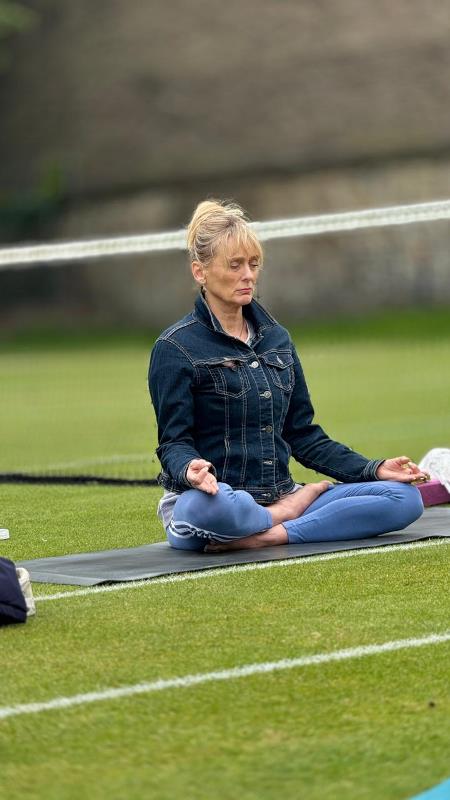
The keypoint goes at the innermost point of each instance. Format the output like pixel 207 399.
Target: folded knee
pixel 202 510
pixel 410 503
pixel 226 515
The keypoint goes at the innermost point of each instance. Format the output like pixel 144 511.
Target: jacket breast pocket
pixel 281 368
pixel 229 378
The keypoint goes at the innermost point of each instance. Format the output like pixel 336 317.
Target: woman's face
pixel 230 278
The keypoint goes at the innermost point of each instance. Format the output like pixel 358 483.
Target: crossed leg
pixel 288 508
pixel 345 511
pixel 232 517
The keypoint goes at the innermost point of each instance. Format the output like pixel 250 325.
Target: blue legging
pixel 356 511
pixel 344 511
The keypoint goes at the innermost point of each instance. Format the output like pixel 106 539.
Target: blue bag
pixel 13 607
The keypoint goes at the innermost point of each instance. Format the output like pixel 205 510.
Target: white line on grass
pixel 245 671
pixel 211 572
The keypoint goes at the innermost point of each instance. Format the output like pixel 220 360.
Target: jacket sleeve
pixel 312 447
pixel 171 378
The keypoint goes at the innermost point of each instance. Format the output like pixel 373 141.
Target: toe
pixel 212 547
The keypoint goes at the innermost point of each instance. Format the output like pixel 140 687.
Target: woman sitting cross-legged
pixel 232 405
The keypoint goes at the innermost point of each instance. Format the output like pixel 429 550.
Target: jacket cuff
pixel 369 471
pixel 182 479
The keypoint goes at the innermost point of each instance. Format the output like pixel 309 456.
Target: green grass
pixel 375 727
pixel 369 728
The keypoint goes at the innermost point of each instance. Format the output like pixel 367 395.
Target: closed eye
pixel 237 264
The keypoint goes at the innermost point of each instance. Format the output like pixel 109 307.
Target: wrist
pixel 371 469
pixel 183 478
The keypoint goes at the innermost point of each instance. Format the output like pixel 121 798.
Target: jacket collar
pixel 258 316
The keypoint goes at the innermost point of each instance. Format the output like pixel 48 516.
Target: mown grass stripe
pixel 245 671
pixel 211 572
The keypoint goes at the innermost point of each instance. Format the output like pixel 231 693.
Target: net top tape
pixel 26 256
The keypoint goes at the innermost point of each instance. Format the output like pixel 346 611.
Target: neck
pixel 230 318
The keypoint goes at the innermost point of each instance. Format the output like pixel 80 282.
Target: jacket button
pixel 268 429
pixel 266 395
pixel 254 364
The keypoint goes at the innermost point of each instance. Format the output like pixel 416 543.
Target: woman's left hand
pixel 401 469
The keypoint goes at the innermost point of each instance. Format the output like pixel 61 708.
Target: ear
pixel 198 271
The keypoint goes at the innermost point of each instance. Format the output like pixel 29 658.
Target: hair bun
pixel 215 222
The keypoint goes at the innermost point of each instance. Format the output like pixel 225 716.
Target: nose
pixel 248 272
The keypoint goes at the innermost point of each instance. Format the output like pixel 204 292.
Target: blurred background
pixel 117 118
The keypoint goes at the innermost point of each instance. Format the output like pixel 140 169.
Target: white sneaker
pixel 25 584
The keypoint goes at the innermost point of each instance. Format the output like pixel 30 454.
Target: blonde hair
pixel 213 225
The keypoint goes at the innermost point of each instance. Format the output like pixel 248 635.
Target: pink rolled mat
pixel 433 493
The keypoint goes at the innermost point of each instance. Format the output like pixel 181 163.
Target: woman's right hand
pixel 198 476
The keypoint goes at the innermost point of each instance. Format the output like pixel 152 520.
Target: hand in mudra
pixel 199 477
pixel 401 469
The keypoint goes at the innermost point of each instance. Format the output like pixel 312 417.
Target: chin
pixel 245 299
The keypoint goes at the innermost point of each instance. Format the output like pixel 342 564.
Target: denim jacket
pixel 243 407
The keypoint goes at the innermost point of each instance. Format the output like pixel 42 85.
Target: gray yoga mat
pixel 153 560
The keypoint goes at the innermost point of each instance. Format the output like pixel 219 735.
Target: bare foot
pixel 269 538
pixel 294 504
